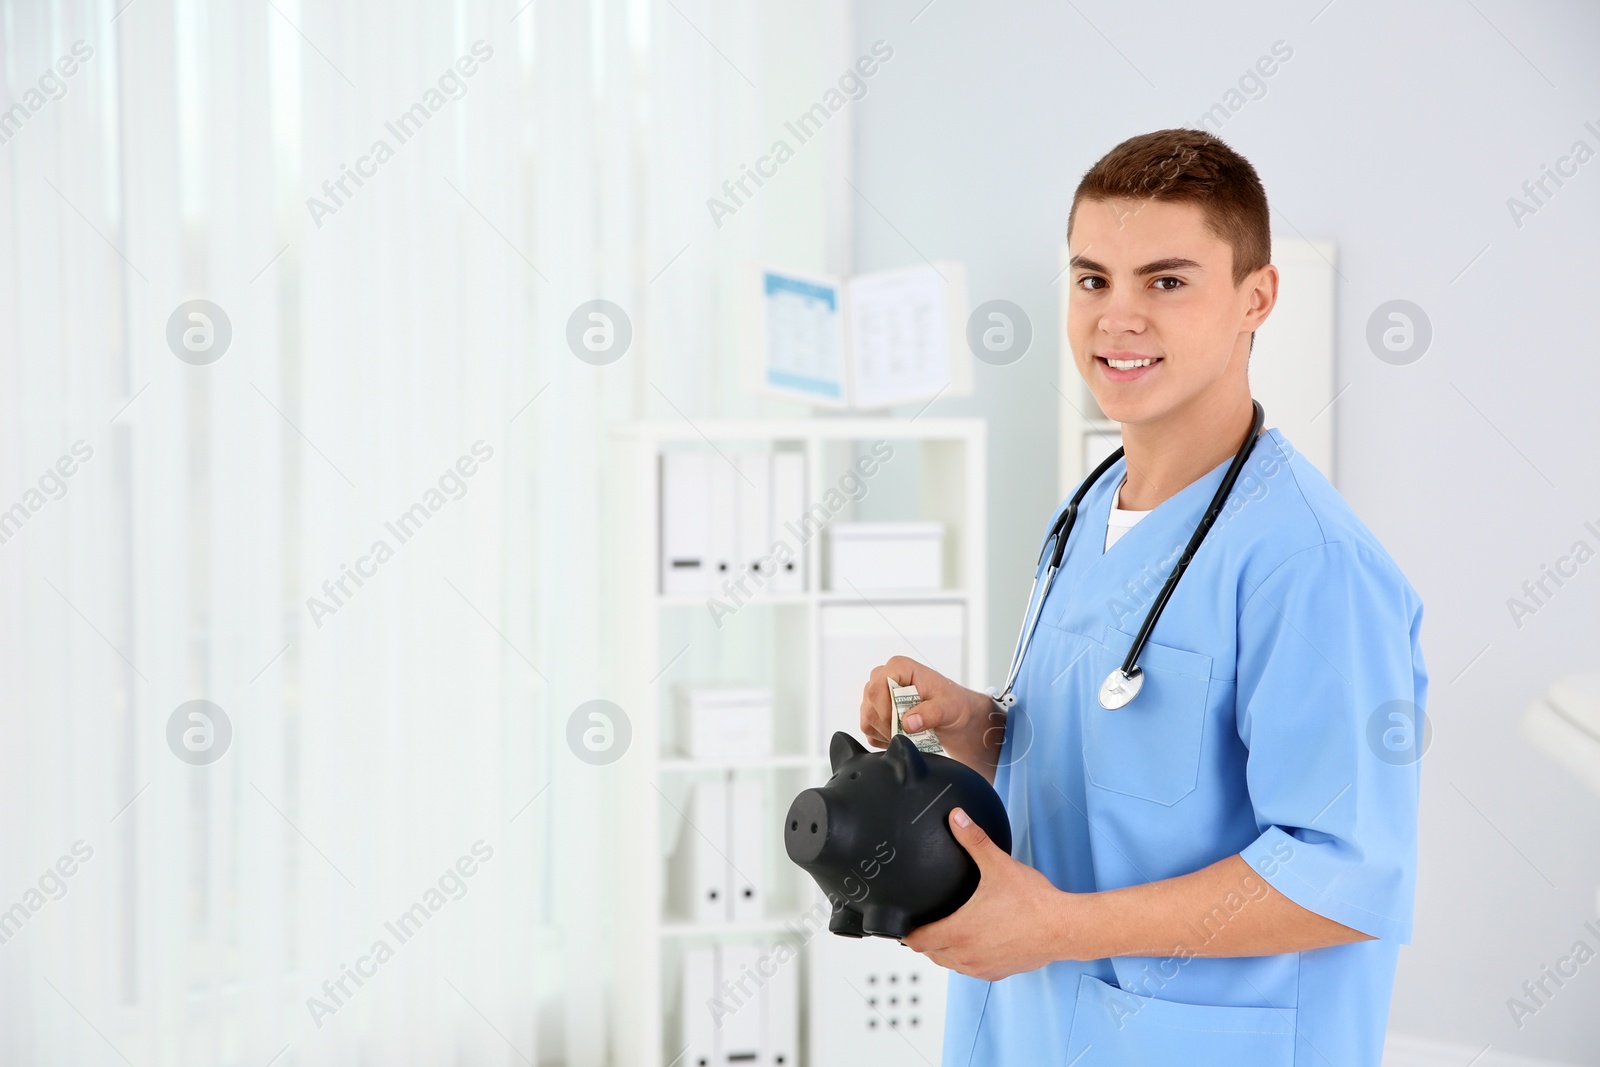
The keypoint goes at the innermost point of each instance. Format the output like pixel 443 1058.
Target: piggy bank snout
pixel 877 840
pixel 805 831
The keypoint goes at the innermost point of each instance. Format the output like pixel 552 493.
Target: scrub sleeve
pixel 1327 705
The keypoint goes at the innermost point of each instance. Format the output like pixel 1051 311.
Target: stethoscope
pixel 1124 683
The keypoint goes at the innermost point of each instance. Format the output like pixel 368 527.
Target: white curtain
pixel 367 531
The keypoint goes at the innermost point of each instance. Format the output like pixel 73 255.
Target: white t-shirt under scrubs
pixel 1121 521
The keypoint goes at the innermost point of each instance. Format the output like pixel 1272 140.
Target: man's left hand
pixel 1010 925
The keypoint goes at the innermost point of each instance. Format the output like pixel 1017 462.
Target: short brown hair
pixel 1193 167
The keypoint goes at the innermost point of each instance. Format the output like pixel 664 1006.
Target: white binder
pixel 747 856
pixel 723 525
pixel 701 863
pixel 788 508
pixel 699 1033
pixel 754 491
pixel 781 1012
pixel 685 509
pixel 739 986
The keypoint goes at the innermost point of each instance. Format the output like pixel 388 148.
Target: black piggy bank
pixel 877 837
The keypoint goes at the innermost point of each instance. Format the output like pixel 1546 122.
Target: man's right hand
pixel 969 725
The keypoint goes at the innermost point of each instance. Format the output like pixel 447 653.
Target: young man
pixel 1221 871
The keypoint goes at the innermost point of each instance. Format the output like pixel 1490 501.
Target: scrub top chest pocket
pixel 1151 748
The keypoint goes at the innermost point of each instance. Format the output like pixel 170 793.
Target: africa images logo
pixel 199 732
pixel 452 485
pixel 452 885
pixel 451 85
pixel 852 86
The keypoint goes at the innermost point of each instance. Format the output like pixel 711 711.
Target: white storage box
pixel 885 556
pixel 721 723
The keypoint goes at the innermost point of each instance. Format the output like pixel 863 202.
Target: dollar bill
pixel 904 698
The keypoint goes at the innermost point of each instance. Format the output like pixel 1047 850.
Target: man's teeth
pixel 1129 364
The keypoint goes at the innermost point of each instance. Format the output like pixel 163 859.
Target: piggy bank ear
pixel 843 749
pixel 908 764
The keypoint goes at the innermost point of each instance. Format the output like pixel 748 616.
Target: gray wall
pixel 1397 132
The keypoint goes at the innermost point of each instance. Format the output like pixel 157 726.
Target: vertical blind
pixel 301 489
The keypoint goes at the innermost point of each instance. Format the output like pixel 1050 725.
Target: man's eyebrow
pixel 1160 266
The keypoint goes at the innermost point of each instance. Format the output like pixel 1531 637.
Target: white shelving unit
pixel 937 472
pixel 1291 369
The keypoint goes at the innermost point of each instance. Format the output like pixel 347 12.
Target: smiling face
pixel 1157 327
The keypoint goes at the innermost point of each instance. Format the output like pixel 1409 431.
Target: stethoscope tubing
pixel 1055 547
pixel 1218 500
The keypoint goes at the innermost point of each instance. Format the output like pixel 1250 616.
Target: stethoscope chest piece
pixel 1119 688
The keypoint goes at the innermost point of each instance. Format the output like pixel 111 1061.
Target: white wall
pixel 1397 132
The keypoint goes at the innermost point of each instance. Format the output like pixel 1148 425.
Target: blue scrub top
pixel 1280 719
